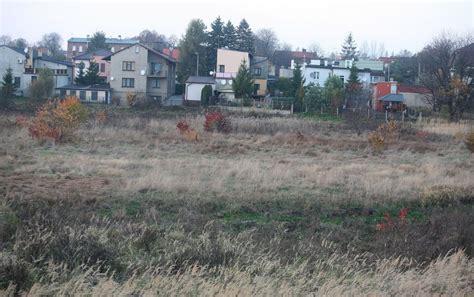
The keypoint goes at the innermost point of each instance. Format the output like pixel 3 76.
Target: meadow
pixel 279 205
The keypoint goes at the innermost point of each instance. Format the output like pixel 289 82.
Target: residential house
pixel 228 63
pixel 194 86
pixel 260 68
pixel 318 71
pixel 141 70
pixel 386 96
pixel 284 61
pixel 79 45
pixel 62 70
pixel 15 59
pixel 97 57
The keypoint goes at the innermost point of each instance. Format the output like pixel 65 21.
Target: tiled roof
pixel 148 48
pixel 107 40
pixel 413 89
pixel 175 53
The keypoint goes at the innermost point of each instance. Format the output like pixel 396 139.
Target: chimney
pixel 304 50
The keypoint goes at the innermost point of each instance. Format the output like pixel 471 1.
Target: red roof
pixel 174 53
pixel 413 89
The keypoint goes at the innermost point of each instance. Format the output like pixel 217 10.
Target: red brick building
pixel 387 97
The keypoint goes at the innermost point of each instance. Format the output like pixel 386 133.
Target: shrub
pixel 445 196
pixel 216 121
pixel 135 99
pixel 22 121
pixel 186 131
pixel 470 141
pixel 101 117
pixel 206 94
pixel 58 119
pixel 376 141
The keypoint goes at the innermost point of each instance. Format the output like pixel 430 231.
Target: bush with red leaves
pixel 216 121
pixel 390 223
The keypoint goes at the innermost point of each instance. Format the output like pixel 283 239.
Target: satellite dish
pixel 142 72
pixel 211 72
pixel 111 78
pixel 25 50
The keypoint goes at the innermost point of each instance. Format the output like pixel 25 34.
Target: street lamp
pixel 388 66
pixel 197 64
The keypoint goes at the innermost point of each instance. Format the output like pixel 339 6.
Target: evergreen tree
pixel 353 87
pixel 191 44
pixel 243 84
pixel 92 76
pixel 297 82
pixel 8 88
pixel 206 94
pixel 216 40
pixel 245 38
pixel 349 49
pixel 334 91
pixel 97 42
pixel 314 100
pixel 80 76
pixel 230 36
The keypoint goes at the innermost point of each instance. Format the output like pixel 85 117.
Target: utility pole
pixel 197 64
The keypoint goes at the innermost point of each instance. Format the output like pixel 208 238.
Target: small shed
pixel 194 86
pixel 99 93
pixel 393 102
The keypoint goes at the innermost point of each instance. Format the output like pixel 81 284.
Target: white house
pixel 194 86
pixel 317 72
pixel 15 59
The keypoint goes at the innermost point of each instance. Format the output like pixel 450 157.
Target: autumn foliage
pixel 187 131
pixel 216 121
pixel 385 133
pixel 58 119
pixel 391 223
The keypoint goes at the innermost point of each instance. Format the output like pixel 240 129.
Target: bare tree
pixel 448 72
pixel 266 42
pixel 52 42
pixel 316 48
pixel 381 50
pixel 5 40
pixel 364 50
pixel 173 40
pixel 150 36
pixel 285 47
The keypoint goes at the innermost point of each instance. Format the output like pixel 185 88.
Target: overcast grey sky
pixel 397 24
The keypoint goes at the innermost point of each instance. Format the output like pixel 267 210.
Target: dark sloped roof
pixel 144 46
pixel 49 59
pixel 88 56
pixel 98 87
pixel 393 98
pixel 18 50
pixel 201 80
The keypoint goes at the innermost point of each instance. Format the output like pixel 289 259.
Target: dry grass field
pixel 278 206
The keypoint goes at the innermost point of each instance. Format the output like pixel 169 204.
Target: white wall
pixel 193 91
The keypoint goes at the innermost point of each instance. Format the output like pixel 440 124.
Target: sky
pixel 397 24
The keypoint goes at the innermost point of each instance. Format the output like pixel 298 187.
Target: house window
pixel 221 68
pixel 74 48
pixel 62 93
pixel 155 68
pixel 102 67
pixel 34 78
pixel 82 95
pixel 137 49
pixel 155 83
pixel 128 82
pixel 258 71
pixel 17 82
pixel 72 93
pixel 342 78
pixel 128 66
pixel 80 48
pixel 94 96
